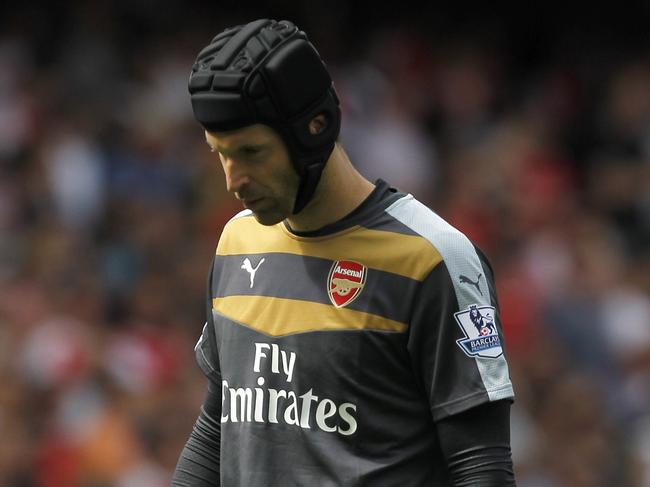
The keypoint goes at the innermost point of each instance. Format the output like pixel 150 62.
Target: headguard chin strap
pixel 268 72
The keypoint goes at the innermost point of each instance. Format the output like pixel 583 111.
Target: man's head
pixel 267 73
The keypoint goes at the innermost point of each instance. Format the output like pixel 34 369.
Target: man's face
pixel 258 170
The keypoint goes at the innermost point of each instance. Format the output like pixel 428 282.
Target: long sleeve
pixel 476 445
pixel 199 462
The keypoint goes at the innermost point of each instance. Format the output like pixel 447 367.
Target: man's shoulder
pixel 451 243
pixel 244 221
pixel 240 225
pixel 242 214
pixel 244 234
pixel 422 220
pixel 466 268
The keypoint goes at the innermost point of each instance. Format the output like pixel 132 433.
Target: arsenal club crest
pixel 345 282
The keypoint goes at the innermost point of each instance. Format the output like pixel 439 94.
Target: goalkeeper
pixel 353 336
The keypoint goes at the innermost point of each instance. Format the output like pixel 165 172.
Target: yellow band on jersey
pixel 376 249
pixel 281 316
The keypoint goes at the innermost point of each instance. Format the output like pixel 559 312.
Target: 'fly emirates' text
pixel 262 405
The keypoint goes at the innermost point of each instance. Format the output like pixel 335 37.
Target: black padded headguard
pixel 268 72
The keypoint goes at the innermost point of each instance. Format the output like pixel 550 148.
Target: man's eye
pixel 251 151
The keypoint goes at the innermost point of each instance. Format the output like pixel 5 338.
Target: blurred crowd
pixel 111 205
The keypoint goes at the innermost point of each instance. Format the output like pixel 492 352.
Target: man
pixel 339 347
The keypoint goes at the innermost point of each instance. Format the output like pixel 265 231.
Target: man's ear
pixel 318 124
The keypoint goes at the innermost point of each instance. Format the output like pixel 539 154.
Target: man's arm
pixel 199 462
pixel 198 465
pixel 476 445
pixel 456 344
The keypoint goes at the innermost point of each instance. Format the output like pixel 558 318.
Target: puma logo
pixel 248 267
pixel 467 280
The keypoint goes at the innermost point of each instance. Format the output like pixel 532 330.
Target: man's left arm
pixel 457 350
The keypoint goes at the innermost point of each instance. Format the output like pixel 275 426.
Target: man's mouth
pixel 251 202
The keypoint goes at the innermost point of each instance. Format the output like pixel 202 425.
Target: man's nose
pixel 236 177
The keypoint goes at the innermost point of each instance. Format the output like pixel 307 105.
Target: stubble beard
pixel 272 215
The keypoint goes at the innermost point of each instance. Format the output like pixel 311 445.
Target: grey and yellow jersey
pixel 336 351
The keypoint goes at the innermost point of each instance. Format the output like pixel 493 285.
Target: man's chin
pixel 268 218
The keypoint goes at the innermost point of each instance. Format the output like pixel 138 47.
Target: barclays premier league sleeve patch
pixel 481 336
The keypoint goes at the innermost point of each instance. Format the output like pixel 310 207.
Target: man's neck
pixel 340 190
